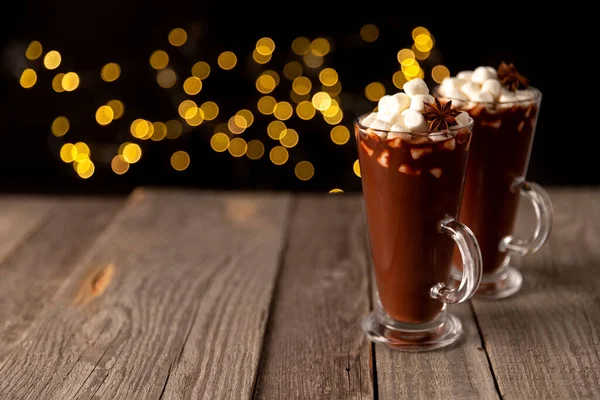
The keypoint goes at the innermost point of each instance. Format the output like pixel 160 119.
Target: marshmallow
pixel 492 86
pixel 524 95
pixel 484 97
pixel 463 119
pixel 452 83
pixel 366 121
pixel 507 97
pixel 471 90
pixel 454 94
pixel 380 126
pixel 417 102
pixel 481 74
pixel 389 105
pixel 465 75
pixel 415 121
pixel 391 119
pixel 416 86
pixel 397 128
pixel 403 99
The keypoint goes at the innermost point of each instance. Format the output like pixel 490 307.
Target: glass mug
pixel 498 160
pixel 412 187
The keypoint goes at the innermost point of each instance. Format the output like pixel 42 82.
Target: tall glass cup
pixel 498 160
pixel 412 186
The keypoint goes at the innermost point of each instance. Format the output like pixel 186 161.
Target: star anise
pixel 511 78
pixel 440 116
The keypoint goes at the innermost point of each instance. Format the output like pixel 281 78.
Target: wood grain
pixel 170 303
pixel 32 274
pixel 544 342
pixel 315 347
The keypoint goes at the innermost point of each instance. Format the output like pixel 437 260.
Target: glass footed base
pixel 442 332
pixel 498 285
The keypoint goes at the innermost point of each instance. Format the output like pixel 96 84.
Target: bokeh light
pixel 333 90
pixel 117 107
pixel 278 155
pixel 192 85
pixel 185 107
pixel 180 160
pixel 328 77
pixel 110 72
pixel 259 58
pixel 399 79
pixel 340 135
pixel 321 101
pixel 60 126
pixel 68 152
pixel 28 78
pixel 194 116
pixel 247 115
pixel 201 70
pixel 34 50
pixel 227 60
pixel 301 85
pixel 255 149
pixel 356 168
pixel 439 73
pixel 210 110
pixel 166 78
pixel 301 46
pixel 70 81
pixel 276 130
pixel 139 128
pixel 304 170
pixel 369 33
pixel 236 124
pixel 85 168
pixel 174 129
pixel 289 138
pixel 265 46
pixel 266 105
pixel 375 91
pixel 160 131
pixel 57 83
pixel 283 111
pixel 312 60
pixel 237 147
pixel 119 165
pixel 159 59
pixel 292 70
pixel 305 110
pixel 273 74
pixel 52 59
pixel 405 55
pixel 423 42
pixel 177 37
pixel 419 30
pixel 83 151
pixel 132 153
pixel 333 191
pixel 421 55
pixel 332 109
pixel 299 98
pixel 334 119
pixel 265 84
pixel 219 142
pixel 320 47
pixel 104 115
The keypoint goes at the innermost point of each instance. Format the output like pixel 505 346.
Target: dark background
pixel 89 35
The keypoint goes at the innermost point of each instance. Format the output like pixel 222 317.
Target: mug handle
pixel 472 266
pixel 544 216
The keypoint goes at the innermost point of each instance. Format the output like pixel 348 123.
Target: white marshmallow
pixel 463 119
pixel 524 95
pixel 380 125
pixel 481 74
pixel 415 121
pixel 369 119
pixel 391 118
pixel 471 90
pixel 389 105
pixel 452 83
pixel 417 102
pixel 454 94
pixel 492 86
pixel 403 99
pixel 466 75
pixel 507 97
pixel 484 97
pixel 416 86
pixel 398 128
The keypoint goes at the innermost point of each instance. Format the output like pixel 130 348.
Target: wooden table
pixel 198 295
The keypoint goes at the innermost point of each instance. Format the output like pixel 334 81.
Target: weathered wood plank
pixel 170 303
pixel 544 342
pixel 315 347
pixel 32 274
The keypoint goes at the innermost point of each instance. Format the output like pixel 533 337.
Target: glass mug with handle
pixel 412 186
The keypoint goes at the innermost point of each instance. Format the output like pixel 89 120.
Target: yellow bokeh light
pixel 132 153
pixel 110 72
pixel 70 81
pixel 320 47
pixel 333 90
pixel 185 107
pixel 334 119
pixel 227 60
pixel 420 74
pixel 423 42
pixel 237 124
pixel 421 55
pixel 85 169
pixel 57 83
pixel 332 109
pixel 333 191
pixel 289 138
pixel 159 59
pixel 375 91
pixel 304 170
pixel 139 128
pixel 356 168
pixel 166 78
pixel 119 165
pixel 219 142
pixel 328 77
pixel 104 115
pixel 34 50
pixel 150 132
pixel 340 134
pixel 210 110
pixel 283 111
pixel 173 129
pixel 399 79
pixel 247 115
pixel 299 98
pixel 68 152
pixel 265 84
pixel 83 151
pixel 419 30
pixel 312 60
pixel 160 131
pixel 273 74
pixel 321 101
pixel 255 149
pixel 411 69
pixel 180 160
pixel 259 58
pixel 276 130
pixel 301 46
pixel 305 110
pixel 265 46
pixel 52 59
pixel 278 155
pixel 117 107
pixel 405 55
pixel 177 37
pixel 266 105
pixel 194 116
pixel 439 73
pixel 60 126
pixel 28 78
pixel 192 85
pixel 292 70
pixel 301 85
pixel 201 70
pixel 369 33
pixel 237 147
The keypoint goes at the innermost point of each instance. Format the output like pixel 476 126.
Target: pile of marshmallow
pixel 403 112
pixel 481 85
